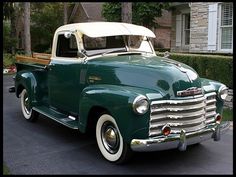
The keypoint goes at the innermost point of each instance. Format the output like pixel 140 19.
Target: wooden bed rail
pixel 38 58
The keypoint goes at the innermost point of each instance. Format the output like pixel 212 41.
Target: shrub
pixel 8 60
pixel 215 67
pixel 162 49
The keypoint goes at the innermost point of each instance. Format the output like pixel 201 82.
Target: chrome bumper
pixel 181 140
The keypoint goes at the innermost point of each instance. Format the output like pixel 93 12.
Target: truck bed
pixel 36 59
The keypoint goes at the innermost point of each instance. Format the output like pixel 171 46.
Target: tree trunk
pixel 27 37
pixel 13 29
pixel 126 12
pixel 65 13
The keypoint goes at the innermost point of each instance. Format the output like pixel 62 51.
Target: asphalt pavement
pixel 46 147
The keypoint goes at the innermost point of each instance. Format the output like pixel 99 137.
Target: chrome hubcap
pixel 26 104
pixel 110 137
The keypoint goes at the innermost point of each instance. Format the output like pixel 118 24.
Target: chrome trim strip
pixel 208 108
pixel 211 120
pixel 210 114
pixel 178 101
pixel 210 101
pixel 179 108
pixel 177 115
pixel 72 117
pixel 210 94
pixel 179 123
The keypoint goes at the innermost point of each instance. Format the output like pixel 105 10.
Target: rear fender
pixel 34 82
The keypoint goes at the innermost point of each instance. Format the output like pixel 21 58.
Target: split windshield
pixel 113 44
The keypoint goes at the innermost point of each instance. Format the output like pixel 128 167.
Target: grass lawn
pixel 227 114
pixel 5 170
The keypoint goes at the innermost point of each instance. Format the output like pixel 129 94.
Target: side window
pixel 66 47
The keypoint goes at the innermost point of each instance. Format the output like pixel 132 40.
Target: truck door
pixel 64 75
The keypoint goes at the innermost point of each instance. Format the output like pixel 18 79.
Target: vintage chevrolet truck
pixel 105 77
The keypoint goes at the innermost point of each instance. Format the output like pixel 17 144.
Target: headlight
pixel 140 105
pixel 223 92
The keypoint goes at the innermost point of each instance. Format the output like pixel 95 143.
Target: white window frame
pixel 183 15
pixel 220 31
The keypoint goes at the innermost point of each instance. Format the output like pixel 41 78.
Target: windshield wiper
pixel 116 50
pixel 130 53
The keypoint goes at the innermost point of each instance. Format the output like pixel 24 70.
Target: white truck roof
pixel 102 29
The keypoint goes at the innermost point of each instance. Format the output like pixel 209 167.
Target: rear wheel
pixel 110 141
pixel 27 110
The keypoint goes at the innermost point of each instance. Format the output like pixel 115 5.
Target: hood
pixel 150 72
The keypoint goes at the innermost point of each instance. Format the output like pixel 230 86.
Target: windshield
pixel 113 44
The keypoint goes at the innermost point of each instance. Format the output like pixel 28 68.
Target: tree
pixel 46 18
pixel 143 13
pixel 9 13
pixel 65 13
pixel 126 12
pixel 112 11
pixel 27 28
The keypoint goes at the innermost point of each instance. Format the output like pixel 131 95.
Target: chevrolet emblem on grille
pixel 190 91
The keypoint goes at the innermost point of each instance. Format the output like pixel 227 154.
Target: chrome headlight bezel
pixel 140 105
pixel 223 92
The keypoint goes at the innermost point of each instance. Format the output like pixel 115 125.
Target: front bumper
pixel 180 141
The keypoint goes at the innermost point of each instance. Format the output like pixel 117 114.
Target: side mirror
pixel 67 35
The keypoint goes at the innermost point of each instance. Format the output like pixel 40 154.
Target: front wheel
pixel 110 141
pixel 27 111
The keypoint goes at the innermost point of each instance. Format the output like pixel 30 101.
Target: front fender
pixel 118 101
pixel 213 86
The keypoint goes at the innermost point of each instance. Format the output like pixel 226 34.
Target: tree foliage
pixel 8 41
pixel 143 13
pixel 45 19
pixel 112 11
pixel 8 10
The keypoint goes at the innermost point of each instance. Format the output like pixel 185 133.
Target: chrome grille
pixel 187 114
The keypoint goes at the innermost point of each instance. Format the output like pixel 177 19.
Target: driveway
pixel 46 147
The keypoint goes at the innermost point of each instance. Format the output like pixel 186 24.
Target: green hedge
pixel 8 60
pixel 215 67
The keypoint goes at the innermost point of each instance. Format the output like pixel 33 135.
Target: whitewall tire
pixel 110 141
pixel 27 111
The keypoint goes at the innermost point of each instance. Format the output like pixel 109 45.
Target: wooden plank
pixel 21 58
pixel 41 55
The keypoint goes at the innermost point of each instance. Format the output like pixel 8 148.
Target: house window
pixel 186 29
pixel 226 26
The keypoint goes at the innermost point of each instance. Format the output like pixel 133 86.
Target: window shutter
pixel 212 26
pixel 178 30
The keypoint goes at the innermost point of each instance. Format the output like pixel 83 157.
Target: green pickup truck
pixel 105 77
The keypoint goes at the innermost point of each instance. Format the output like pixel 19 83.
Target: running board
pixel 61 118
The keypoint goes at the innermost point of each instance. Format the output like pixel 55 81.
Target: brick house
pixel 163 31
pixel 85 12
pixel 202 27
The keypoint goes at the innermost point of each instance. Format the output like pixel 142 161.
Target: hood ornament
pixel 190 91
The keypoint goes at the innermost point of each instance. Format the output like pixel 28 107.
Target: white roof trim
pixel 101 29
